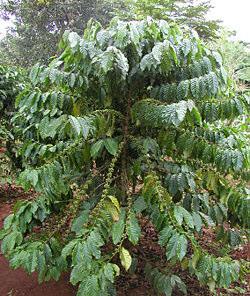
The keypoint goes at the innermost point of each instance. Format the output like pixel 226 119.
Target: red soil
pixel 19 283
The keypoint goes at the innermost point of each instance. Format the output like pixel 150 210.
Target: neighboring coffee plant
pixel 123 124
pixel 236 58
pixel 10 87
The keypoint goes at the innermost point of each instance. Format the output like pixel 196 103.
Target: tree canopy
pixel 38 25
pixel 192 13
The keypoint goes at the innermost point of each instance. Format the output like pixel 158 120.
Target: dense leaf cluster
pixel 184 12
pixel 119 126
pixel 11 83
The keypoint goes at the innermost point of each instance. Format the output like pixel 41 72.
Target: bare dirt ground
pixel 18 282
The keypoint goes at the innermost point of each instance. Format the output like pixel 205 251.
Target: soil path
pixel 19 283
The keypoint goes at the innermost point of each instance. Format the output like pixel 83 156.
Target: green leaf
pixel 34 73
pixel 165 235
pixel 178 214
pixel 182 214
pixel 34 261
pixel 172 247
pixel 8 221
pixel 151 114
pixel 96 148
pixel 78 223
pixel 125 258
pixel 182 249
pixel 147 62
pixel 89 287
pixel 115 202
pixel 10 241
pixel 180 284
pixel 110 271
pixel 33 177
pixel 197 221
pixel 76 124
pixel 118 228
pixel 139 205
pixel 73 39
pixel 77 273
pixel 111 145
pixel 72 80
pixel 188 218
pixel 41 267
pixel 133 229
pixel 68 249
pixel 3 233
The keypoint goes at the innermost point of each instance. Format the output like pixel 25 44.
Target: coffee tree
pixel 11 83
pixel 129 121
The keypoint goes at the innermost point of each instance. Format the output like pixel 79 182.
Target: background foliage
pixel 183 12
pixel 11 84
pixel 39 25
pixel 236 56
